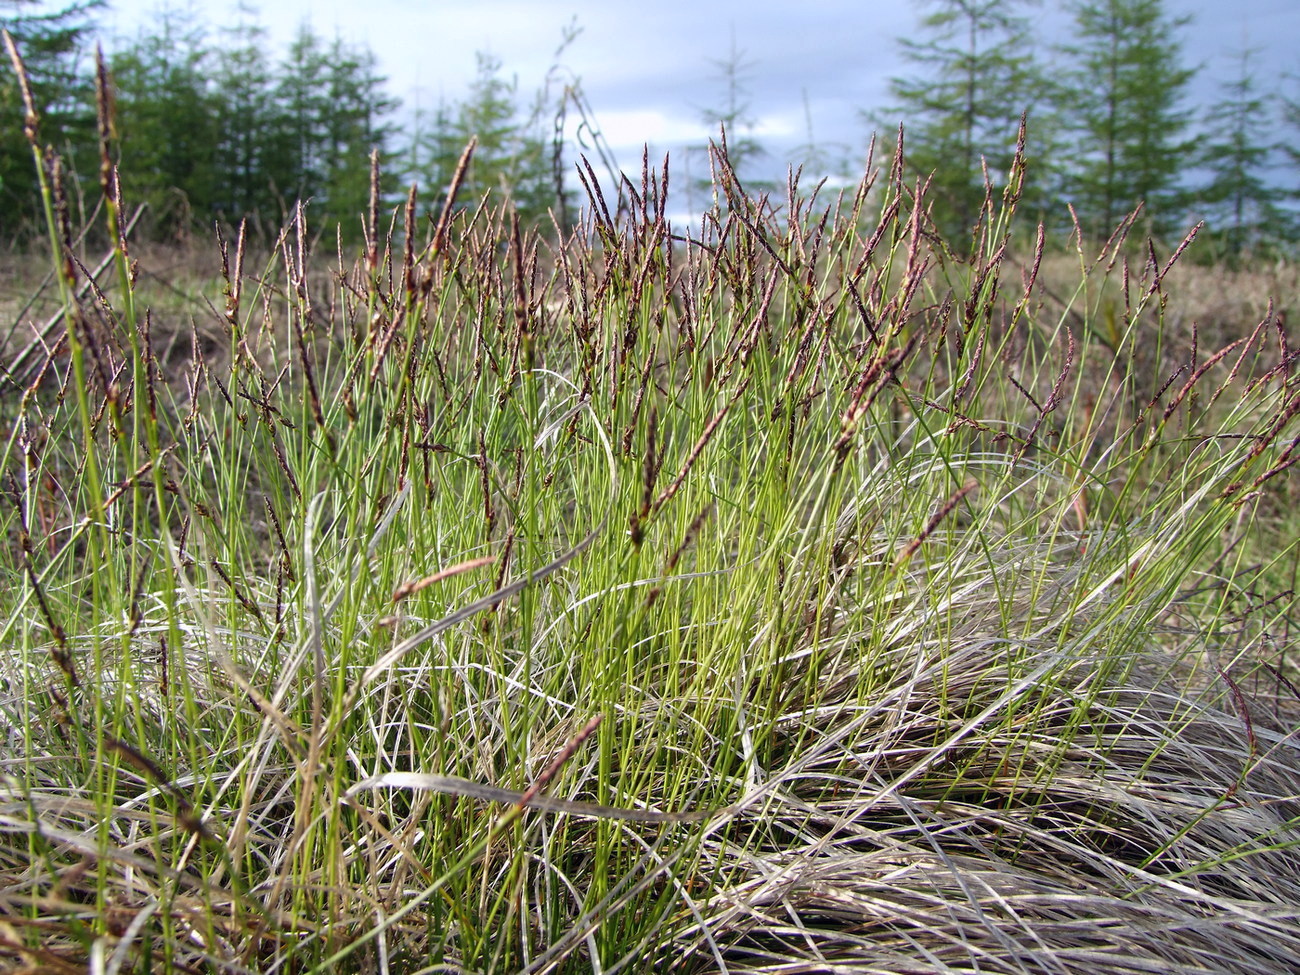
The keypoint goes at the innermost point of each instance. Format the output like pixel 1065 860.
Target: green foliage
pixel 512 160
pixel 962 113
pixel 330 106
pixel 167 125
pixel 223 133
pixel 246 116
pixel 1291 150
pixel 53 45
pixel 219 130
pixel 733 121
pixel 355 126
pixel 1243 205
pixel 433 151
pixel 1122 98
pixel 303 109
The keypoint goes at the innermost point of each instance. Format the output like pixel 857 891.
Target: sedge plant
pixel 783 594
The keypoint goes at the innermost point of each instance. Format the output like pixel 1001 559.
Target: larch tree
pixel 1242 204
pixel 511 161
pixel 961 111
pixel 1122 92
pixel 166 123
pixel 53 46
pixel 355 126
pixel 433 149
pixel 734 116
pixel 302 108
pixel 329 109
pixel 247 119
pixel 1290 147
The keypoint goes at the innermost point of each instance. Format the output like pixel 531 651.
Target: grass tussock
pixel 786 596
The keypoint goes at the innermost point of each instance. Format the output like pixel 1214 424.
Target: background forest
pixel 213 125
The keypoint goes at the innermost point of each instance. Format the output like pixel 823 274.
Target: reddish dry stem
pixel 559 761
pixel 411 588
pixel 935 520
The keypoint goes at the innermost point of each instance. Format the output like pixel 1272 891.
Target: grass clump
pixel 787 597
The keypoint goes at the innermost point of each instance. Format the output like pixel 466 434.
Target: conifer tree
pixel 355 125
pixel 511 160
pixel 1122 95
pixel 961 114
pixel 734 116
pixel 1242 204
pixel 246 117
pixel 166 122
pixel 302 107
pixel 328 115
pixel 434 149
pixel 1290 147
pixel 52 45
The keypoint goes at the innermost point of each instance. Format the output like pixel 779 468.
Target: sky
pixel 649 70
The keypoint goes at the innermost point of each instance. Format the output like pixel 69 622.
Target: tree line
pixel 212 129
pixel 1109 123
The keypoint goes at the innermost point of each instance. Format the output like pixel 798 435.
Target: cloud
pixel 629 128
